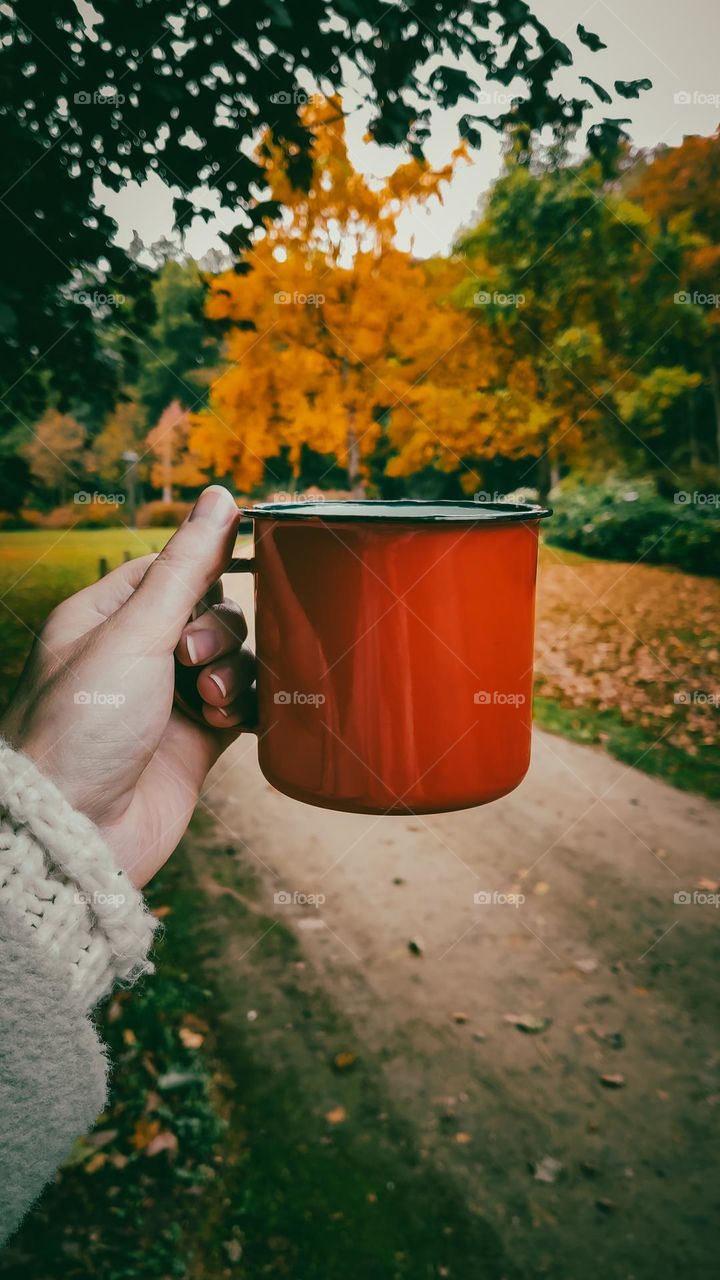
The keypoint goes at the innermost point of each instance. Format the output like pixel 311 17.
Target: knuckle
pixel 232 620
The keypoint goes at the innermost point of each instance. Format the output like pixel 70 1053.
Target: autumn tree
pixel 335 335
pixel 578 284
pixel 174 463
pixel 56 453
pixel 122 432
pixel 110 93
pixel 680 188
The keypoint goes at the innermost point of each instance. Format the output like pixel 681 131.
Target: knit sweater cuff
pixel 59 876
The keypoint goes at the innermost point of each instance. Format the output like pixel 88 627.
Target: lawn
pixel 625 654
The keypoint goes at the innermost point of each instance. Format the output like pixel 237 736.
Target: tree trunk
pixel 167 493
pixel 543 476
pixel 357 486
pixel 355 480
pixel 715 389
pixel 694 455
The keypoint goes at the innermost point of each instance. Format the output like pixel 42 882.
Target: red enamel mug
pixel 395 650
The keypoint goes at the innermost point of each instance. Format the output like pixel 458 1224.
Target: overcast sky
pixel 674 45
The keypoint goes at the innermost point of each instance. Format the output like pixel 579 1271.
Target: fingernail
pixel 201 645
pixel 222 711
pixel 216 506
pixel 220 684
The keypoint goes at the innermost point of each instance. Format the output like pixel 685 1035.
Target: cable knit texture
pixel 58 874
pixel 52 1071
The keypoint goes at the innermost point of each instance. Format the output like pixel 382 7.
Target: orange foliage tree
pixel 56 452
pixel 335 335
pixel 122 432
pixel 175 462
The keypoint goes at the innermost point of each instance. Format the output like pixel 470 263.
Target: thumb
pixel 192 561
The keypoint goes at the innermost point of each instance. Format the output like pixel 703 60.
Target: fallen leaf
pixel 462 1138
pixel 97 1162
pixel 129 1036
pixel 541 888
pixel 606 1206
pixel 175 1080
pixel 233 1250
pixel 613 1080
pixel 528 1022
pixel 101 1137
pixel 710 886
pixel 161 912
pixel 547 1169
pixel 344 1061
pixel 336 1116
pixel 143 1133
pixel 461 1018
pixel 588 965
pixel 163 1141
pixel 191 1039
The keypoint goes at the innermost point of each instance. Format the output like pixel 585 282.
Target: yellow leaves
pixel 144 1132
pixel 151 1139
pixel 326 353
pixel 337 335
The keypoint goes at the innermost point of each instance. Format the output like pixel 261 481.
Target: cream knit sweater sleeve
pixel 71 925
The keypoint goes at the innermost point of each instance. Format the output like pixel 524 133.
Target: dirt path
pixel 626 975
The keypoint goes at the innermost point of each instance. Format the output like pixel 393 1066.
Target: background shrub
pixel 159 515
pixel 83 515
pixel 627 520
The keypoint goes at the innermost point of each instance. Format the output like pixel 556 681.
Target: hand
pixel 94 706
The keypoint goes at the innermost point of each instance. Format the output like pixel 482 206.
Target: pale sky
pixel 674 45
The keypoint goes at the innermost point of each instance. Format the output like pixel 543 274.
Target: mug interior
pixel 401 509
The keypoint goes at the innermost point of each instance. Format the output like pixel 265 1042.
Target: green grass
pixel 635 745
pixel 257 1177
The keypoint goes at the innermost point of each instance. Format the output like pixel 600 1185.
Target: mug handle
pixel 186 696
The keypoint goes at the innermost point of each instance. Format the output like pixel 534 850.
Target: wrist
pixel 58 874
